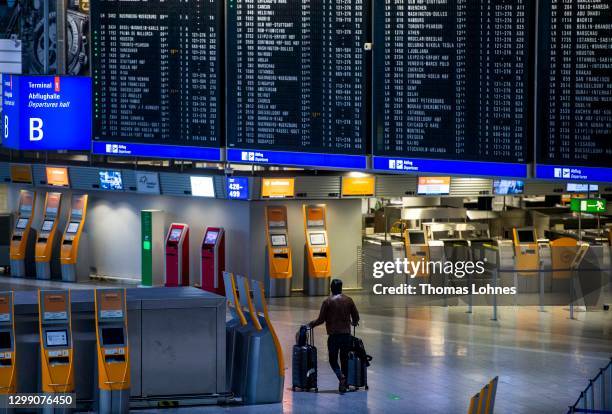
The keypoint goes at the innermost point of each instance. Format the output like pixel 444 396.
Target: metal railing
pixel 597 396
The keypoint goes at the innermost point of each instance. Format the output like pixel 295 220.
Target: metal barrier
pixel 484 401
pixel 597 396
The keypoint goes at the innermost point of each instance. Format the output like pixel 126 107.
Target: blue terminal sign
pixel 298 159
pixel 566 172
pixel 156 151
pixel 237 188
pixel 41 113
pixel 472 168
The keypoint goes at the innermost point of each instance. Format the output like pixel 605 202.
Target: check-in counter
pixel 168 329
pixel 378 248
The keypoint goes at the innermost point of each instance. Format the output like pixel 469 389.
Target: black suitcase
pixel 304 365
pixel 358 362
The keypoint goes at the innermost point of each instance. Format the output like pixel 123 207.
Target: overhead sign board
pixel 588 205
pixel 41 113
pixel 277 187
pixel 358 186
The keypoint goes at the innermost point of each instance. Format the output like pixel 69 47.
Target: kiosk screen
pixel 526 236
pixel 211 237
pixel 57 338
pixel 5 340
pixel 73 227
pixel 278 240
pixel 22 223
pixel 175 235
pixel 317 239
pixel 47 225
pixel 112 336
pixel 416 238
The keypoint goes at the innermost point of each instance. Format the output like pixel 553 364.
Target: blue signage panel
pixel 472 168
pixel 298 159
pixel 565 172
pixel 157 151
pixel 237 188
pixel 43 113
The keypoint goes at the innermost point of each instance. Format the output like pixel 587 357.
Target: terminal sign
pixel 588 205
pixel 46 112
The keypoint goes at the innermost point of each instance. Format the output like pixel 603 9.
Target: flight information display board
pixel 158 77
pixel 575 89
pixel 297 82
pixel 451 82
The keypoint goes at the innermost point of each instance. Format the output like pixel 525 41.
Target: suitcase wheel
pixel 367 388
pixel 316 390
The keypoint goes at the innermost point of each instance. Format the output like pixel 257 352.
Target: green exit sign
pixel 588 205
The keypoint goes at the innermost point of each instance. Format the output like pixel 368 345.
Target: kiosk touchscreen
pixel 177 256
pixel 212 255
pixel 55 327
pixel 279 270
pixel 8 377
pixel 317 260
pixel 417 250
pixel 45 251
pixel 22 239
pixel 73 257
pixel 113 351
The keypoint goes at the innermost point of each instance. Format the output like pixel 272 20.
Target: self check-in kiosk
pixel 236 329
pixel 525 249
pixel 74 258
pixel 317 260
pixel 417 249
pixel 56 345
pixel 212 259
pixel 279 269
pixel 177 256
pixel 8 377
pixel 113 352
pixel 22 239
pixel 45 250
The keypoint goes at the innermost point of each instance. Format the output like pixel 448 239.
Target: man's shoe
pixel 342 387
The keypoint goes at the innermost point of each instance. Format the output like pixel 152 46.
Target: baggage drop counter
pixel 167 328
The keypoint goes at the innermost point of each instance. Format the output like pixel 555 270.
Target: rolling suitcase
pixel 358 362
pixel 304 362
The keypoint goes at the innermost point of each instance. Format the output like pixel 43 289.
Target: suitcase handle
pixel 311 336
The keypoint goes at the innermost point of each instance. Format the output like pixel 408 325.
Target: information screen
pixel 5 340
pixel 72 227
pixel 575 83
pixel 22 223
pixel 581 188
pixel 111 180
pixel 157 69
pixel 451 79
pixel 278 240
pixel 416 237
pixel 526 236
pixel 297 75
pixel 112 336
pixel 57 338
pixel 508 187
pixel 433 185
pixel 317 239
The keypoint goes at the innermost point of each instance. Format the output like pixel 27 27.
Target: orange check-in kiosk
pixel 56 345
pixel 317 259
pixel 45 252
pixel 113 351
pixel 8 372
pixel 417 249
pixel 279 270
pixel 22 239
pixel 75 266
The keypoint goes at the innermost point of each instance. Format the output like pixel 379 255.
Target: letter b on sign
pixel 6 127
pixel 36 131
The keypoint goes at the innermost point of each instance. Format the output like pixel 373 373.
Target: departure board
pixel 451 79
pixel 297 75
pixel 158 72
pixel 575 82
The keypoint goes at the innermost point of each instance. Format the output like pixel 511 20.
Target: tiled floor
pixel 432 359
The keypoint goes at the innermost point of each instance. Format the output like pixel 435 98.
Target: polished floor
pixel 433 359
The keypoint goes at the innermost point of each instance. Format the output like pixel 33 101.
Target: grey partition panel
pixel 220 187
pixel 463 187
pixel 129 180
pixel 84 178
pixel 396 185
pixel 544 188
pixel 39 174
pixel 175 184
pixel 317 187
pixel 5 172
pixel 254 188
